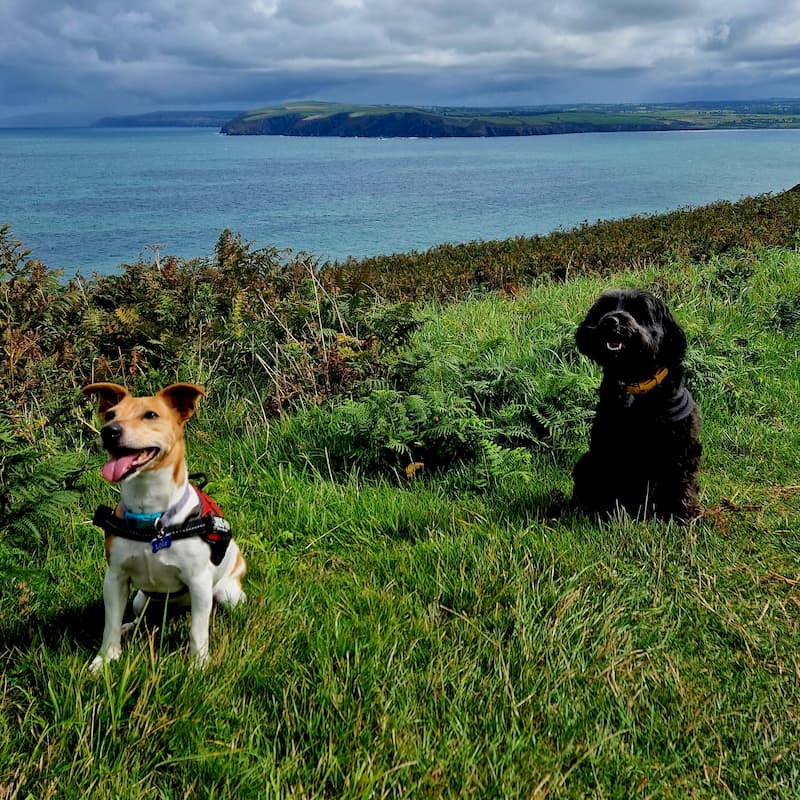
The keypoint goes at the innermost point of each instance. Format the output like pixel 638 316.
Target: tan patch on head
pixel 183 398
pixel 109 394
pixel 148 422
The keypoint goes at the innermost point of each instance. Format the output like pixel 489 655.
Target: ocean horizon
pixel 89 200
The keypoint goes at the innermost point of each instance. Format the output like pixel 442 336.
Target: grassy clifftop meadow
pixel 389 437
pixel 334 119
pixel 312 118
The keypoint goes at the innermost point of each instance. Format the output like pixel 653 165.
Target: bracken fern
pixel 37 487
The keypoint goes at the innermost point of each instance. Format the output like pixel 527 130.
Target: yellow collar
pixel 645 386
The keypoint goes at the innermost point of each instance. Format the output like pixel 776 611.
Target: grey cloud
pixel 718 36
pixel 173 53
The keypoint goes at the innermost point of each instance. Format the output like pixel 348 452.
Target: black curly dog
pixel 645 449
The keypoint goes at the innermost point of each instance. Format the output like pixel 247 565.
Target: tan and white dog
pixel 154 537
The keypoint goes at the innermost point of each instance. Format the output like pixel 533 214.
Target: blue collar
pixel 159 520
pixel 141 521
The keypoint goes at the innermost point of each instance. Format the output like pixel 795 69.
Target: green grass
pixel 770 114
pixel 444 636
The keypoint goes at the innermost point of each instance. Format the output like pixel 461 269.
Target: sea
pixel 90 200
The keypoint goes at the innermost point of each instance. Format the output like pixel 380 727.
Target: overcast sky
pixel 118 56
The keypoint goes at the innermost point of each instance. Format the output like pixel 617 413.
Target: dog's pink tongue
pixel 117 468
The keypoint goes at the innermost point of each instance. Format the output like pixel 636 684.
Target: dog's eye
pixel 150 415
pixel 108 416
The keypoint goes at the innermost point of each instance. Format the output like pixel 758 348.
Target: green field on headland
pixel 333 119
pixel 312 118
pixel 391 439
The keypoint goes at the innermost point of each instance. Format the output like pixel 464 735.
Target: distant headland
pixel 167 119
pixel 313 118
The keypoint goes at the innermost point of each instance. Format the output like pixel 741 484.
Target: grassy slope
pixel 428 639
pixel 595 117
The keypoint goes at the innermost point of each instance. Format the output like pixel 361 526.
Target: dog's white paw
pixel 96 664
pixel 111 654
pixel 199 660
pixel 229 594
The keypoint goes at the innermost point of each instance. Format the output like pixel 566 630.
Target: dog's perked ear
pixel 183 398
pixel 109 395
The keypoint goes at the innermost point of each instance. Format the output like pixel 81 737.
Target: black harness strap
pixel 213 530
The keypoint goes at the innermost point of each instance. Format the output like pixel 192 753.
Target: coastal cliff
pixel 333 119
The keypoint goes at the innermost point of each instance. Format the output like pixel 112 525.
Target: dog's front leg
pixel 591 486
pixel 202 599
pixel 115 595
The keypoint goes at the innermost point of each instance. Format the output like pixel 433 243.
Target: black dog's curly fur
pixel 645 441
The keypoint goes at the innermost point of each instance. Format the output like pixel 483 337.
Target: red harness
pixel 209 525
pixel 220 533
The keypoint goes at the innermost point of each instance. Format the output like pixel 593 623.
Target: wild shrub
pixel 248 318
pixel 40 325
pixel 298 333
pixel 787 313
pixel 37 485
pixel 606 247
pixel 732 278
pixel 478 390
pixel 402 436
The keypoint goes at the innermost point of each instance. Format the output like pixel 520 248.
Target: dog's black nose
pixel 111 434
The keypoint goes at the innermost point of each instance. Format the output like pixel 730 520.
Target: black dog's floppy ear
pixel 583 335
pixel 673 346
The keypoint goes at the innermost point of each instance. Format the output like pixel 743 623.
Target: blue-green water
pixel 85 199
